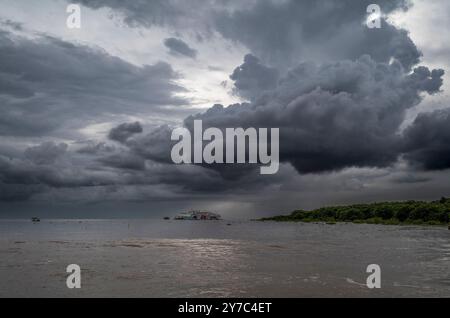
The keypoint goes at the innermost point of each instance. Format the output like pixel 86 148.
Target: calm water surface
pixel 153 258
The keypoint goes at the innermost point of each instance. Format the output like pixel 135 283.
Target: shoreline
pixel 284 219
pixel 434 213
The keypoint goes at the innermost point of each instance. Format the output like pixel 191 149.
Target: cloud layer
pixel 336 115
pixel 47 83
pixel 80 123
pixel 178 47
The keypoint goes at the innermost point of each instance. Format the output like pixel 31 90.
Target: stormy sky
pixel 87 114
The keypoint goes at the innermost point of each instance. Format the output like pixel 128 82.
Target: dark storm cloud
pixel 252 78
pixel 46 83
pixel 335 115
pixel 149 13
pixel 178 47
pixel 331 116
pixel 428 81
pixel 287 32
pixel 155 145
pixel 124 161
pixel 16 171
pixel 343 111
pixel 124 131
pixel 46 153
pixel 93 169
pixel 427 141
pixel 34 174
pixel 91 148
pixel 282 33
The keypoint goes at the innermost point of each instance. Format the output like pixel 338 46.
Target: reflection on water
pixel 151 258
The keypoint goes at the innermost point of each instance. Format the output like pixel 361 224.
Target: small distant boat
pixel 35 219
pixel 198 215
pixel 166 218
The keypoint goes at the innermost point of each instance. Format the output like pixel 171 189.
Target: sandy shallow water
pixel 153 258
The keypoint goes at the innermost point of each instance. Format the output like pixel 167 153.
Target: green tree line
pixel 408 212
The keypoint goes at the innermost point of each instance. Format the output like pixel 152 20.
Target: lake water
pixel 156 258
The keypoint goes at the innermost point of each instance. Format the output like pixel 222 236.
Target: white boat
pixel 198 215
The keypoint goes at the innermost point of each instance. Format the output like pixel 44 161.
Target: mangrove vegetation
pixel 394 213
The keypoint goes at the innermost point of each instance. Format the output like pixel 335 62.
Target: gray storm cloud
pixel 78 84
pixel 49 88
pixel 252 78
pixel 331 116
pixel 282 33
pixel 337 90
pixel 335 115
pixel 177 13
pixel 285 33
pixel 427 141
pixel 124 131
pixel 178 47
pixel 45 153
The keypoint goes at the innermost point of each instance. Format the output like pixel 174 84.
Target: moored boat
pixel 198 215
